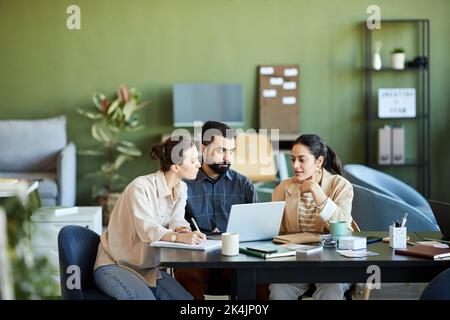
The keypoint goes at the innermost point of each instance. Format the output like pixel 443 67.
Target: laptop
pixel 441 211
pixel 254 221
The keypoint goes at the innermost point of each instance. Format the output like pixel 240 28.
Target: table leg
pixel 243 284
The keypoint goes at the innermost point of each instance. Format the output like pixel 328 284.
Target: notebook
pixel 280 251
pixel 204 246
pixel 425 252
pixel 304 249
pixel 303 237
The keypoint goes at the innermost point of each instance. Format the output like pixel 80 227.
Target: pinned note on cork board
pixel 279 104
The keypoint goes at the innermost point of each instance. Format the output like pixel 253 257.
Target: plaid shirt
pixel 209 202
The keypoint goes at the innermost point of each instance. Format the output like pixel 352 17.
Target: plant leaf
pixel 96 98
pixel 134 129
pixel 132 107
pixel 128 109
pixel 113 128
pixel 127 143
pixel 114 105
pixel 107 167
pixel 90 115
pixel 129 151
pixel 119 161
pixel 117 115
pixel 91 152
pixel 101 133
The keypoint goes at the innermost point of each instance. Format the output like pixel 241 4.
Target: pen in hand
pixel 198 229
pixel 195 224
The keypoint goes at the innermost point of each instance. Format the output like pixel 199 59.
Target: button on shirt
pixel 210 201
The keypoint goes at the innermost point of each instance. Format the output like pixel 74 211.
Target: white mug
pixel 230 244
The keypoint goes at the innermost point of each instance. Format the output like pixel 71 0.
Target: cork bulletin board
pixel 279 105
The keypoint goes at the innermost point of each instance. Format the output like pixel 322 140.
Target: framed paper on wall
pixel 397 102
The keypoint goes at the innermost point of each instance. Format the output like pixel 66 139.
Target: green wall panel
pixel 47 70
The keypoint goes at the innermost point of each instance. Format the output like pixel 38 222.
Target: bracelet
pixel 322 205
pixel 180 229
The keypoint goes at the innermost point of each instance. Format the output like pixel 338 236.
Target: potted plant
pixel 398 59
pixel 30 274
pixel 111 121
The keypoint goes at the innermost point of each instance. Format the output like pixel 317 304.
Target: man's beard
pixel 220 168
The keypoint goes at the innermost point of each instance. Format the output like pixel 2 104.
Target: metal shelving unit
pixel 422 161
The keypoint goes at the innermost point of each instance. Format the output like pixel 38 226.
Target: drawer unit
pixel 46 227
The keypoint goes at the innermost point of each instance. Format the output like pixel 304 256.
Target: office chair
pixel 77 246
pixel 389 186
pixel 375 211
pixel 438 288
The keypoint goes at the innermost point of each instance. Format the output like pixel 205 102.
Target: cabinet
pixel 46 227
pixel 414 35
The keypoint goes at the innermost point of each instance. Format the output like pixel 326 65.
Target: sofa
pixel 39 150
pixel 388 185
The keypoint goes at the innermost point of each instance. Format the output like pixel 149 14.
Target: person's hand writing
pixel 191 237
pixel 202 236
pixel 182 229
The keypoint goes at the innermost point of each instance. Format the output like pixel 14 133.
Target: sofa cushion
pixel 31 145
pixel 47 188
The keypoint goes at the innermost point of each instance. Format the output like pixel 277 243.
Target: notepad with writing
pixel 204 246
pixel 303 237
pixel 280 252
pixel 425 252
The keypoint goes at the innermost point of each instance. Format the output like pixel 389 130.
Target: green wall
pixel 47 70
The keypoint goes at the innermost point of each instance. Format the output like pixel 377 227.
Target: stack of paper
pixel 303 249
pixel 303 237
pixel 205 245
pixel 356 253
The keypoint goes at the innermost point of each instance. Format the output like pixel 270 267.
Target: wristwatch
pixel 174 236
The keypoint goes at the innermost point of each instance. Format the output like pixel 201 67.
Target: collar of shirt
pixel 163 188
pixel 201 176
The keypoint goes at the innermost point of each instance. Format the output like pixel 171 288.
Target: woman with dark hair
pixel 151 208
pixel 316 195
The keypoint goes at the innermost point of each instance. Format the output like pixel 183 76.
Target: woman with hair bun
pixel 316 195
pixel 151 208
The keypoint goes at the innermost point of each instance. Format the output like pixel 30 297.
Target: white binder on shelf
pixel 398 145
pixel 384 145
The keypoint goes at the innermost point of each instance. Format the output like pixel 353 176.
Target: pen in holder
pixel 397 237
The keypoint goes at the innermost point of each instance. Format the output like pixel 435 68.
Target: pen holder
pixel 397 237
